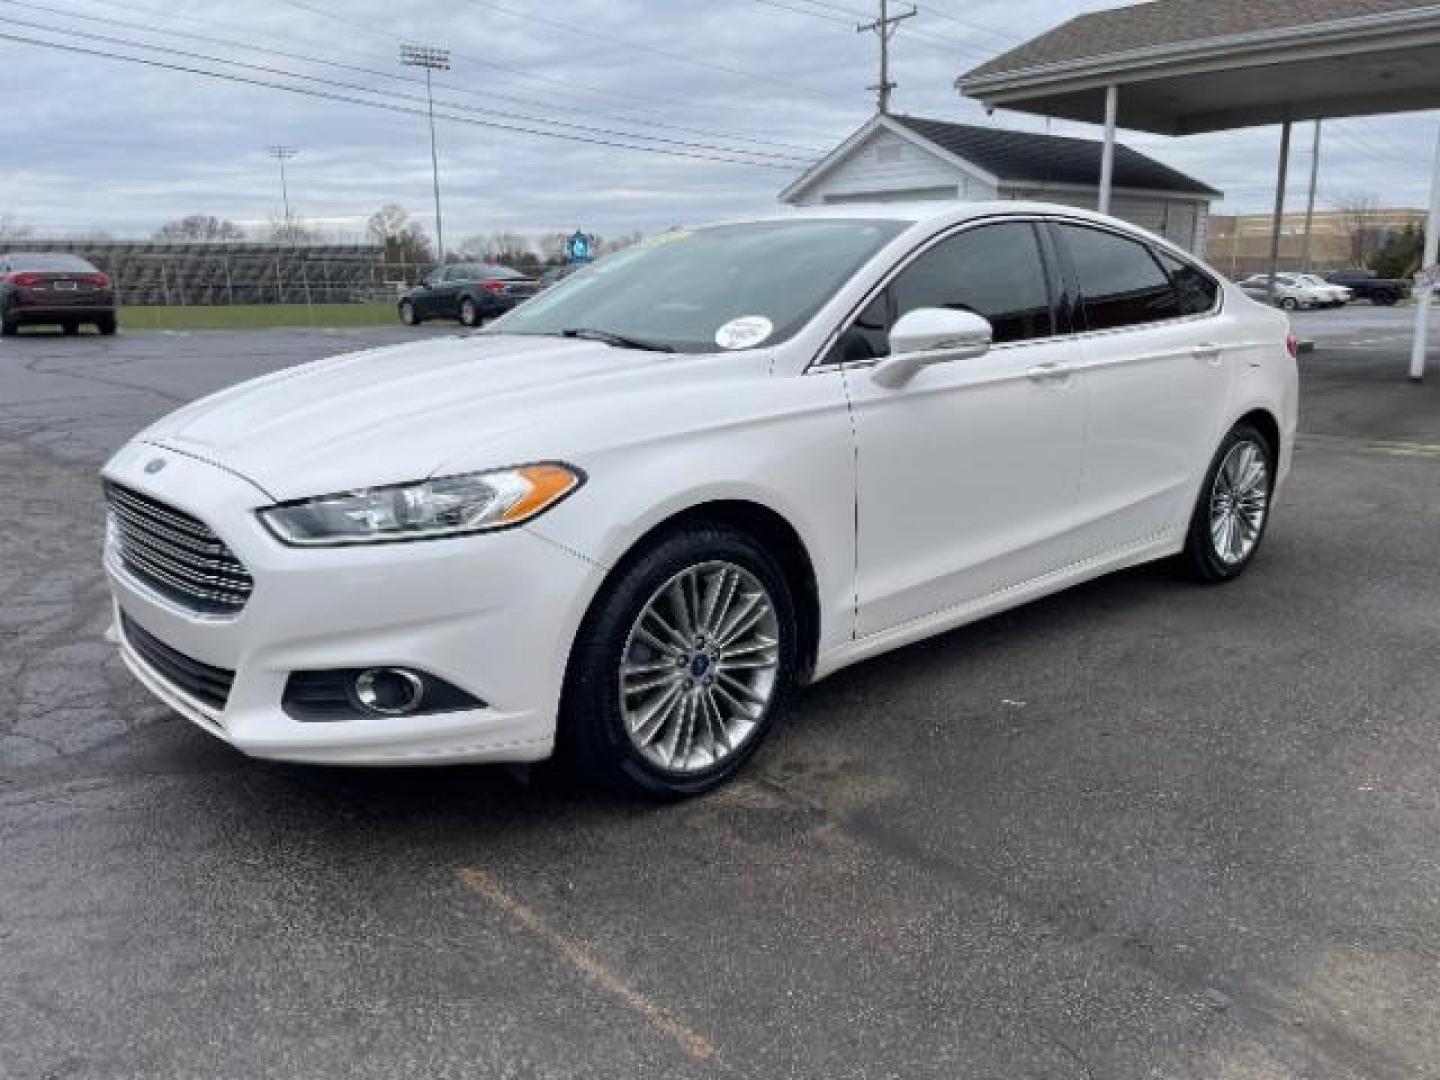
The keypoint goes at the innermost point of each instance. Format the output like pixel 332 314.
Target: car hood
pixel 389 415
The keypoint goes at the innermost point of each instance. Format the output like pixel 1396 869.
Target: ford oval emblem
pixel 154 465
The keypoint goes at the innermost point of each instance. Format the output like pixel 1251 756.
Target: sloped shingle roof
pixel 1176 22
pixel 1030 158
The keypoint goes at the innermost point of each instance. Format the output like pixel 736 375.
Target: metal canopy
pixel 1182 67
pixel 1290 63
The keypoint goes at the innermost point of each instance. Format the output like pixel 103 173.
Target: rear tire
pixel 681 666
pixel 71 328
pixel 469 313
pixel 1289 303
pixel 8 328
pixel 1233 510
pixel 408 315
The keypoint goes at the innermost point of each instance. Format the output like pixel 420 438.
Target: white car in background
pixel 1338 295
pixel 1291 292
pixel 626 519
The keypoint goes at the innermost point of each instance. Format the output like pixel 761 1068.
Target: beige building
pixel 1340 239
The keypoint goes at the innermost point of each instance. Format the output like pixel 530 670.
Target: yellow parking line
pixel 691 1041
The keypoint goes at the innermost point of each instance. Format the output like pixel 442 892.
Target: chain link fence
pixel 145 274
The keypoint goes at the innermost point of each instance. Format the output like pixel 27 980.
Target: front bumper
pixel 492 614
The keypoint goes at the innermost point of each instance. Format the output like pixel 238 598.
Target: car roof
pixel 937 211
pixel 939 214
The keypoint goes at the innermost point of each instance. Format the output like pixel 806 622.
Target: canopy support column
pixel 1432 255
pixel 1278 222
pixel 1107 157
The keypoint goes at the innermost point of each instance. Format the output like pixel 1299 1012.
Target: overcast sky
pixel 95 143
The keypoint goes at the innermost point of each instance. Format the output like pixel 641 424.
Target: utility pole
pixel 283 154
pixel 884 28
pixel 432 60
pixel 1310 206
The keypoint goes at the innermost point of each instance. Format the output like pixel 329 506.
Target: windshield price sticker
pixel 743 333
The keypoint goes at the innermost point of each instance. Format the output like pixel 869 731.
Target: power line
pixel 487 95
pixel 936 43
pixel 737 152
pixel 387 106
pixel 491 6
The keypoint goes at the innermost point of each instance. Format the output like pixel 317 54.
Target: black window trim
pixel 1053 278
pixel 1082 331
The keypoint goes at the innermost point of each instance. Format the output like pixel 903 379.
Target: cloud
pixel 123 147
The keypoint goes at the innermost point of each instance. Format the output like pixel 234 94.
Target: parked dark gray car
pixel 55 290
pixel 470 292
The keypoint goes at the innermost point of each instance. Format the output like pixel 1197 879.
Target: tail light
pixel 1292 345
pixel 493 286
pixel 100 281
pixel 24 280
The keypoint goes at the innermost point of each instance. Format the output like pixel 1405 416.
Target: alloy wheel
pixel 1239 501
pixel 700 667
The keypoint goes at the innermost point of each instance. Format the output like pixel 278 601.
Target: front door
pixel 967 475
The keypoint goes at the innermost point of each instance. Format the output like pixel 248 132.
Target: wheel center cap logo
pixel 155 465
pixel 699 666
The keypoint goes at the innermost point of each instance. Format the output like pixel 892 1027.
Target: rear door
pixel 1157 357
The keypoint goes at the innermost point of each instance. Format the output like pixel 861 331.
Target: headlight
pixel 446 506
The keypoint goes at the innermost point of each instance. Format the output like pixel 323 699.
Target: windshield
pixel 724 287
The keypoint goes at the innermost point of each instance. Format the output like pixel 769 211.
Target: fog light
pixel 389 691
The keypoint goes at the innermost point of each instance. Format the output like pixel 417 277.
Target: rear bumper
pixel 53 313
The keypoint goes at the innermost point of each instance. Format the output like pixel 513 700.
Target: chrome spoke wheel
pixel 700 667
pixel 1239 501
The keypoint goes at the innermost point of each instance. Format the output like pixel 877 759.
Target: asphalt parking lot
pixel 1142 829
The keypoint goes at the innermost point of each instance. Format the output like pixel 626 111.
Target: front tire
pixel 1289 303
pixel 9 328
pixel 681 666
pixel 408 315
pixel 107 326
pixel 71 328
pixel 1233 510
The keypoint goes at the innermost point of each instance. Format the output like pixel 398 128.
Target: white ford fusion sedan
pixel 625 520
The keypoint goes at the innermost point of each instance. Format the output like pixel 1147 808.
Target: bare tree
pixel 11 229
pixel 402 239
pixel 200 227
pixel 291 230
pixel 1359 218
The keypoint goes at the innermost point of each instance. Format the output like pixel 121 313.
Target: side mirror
pixel 928 336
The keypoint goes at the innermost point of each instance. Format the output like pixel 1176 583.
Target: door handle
pixel 1209 353
pixel 1049 372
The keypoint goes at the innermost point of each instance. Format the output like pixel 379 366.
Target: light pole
pixel 283 154
pixel 422 56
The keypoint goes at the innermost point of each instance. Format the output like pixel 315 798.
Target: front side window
pixel 995 270
pixel 1121 283
pixel 727 287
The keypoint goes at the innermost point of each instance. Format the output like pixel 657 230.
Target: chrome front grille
pixel 176 555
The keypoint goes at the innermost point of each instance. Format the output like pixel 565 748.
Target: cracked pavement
pixel 1141 829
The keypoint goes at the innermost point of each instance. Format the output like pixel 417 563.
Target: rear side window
pixel 1121 283
pixel 995 271
pixel 64 264
pixel 1197 290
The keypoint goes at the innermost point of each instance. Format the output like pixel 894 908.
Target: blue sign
pixel 578 248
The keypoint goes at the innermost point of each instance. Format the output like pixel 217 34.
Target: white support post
pixel 1432 255
pixel 1277 222
pixel 1107 154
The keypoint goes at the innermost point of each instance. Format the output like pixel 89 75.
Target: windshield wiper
pixel 620 341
